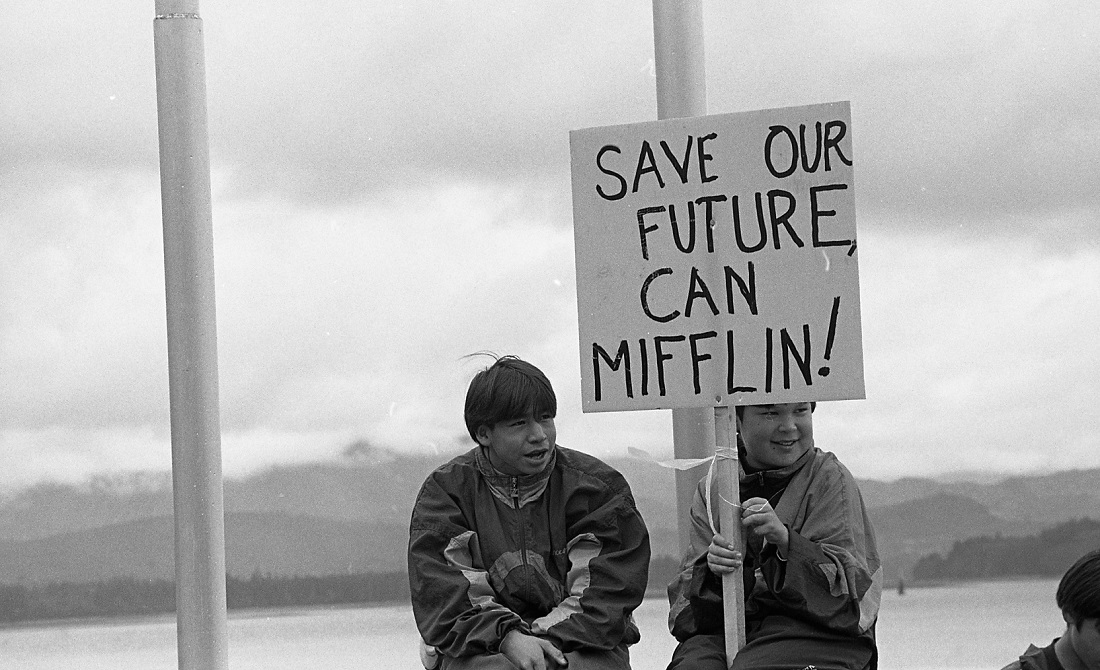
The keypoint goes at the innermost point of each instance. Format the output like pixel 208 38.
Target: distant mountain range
pixel 270 543
pixel 352 517
pixel 1050 554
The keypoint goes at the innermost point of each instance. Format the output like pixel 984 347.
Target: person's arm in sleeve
pixel 831 572
pixel 455 608
pixel 695 594
pixel 609 568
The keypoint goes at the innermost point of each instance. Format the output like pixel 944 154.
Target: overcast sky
pixel 391 193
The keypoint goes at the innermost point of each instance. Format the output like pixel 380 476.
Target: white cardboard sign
pixel 716 260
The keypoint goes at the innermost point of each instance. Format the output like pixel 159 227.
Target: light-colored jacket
pixel 829 584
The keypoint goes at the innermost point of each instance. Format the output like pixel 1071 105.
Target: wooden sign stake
pixel 729 525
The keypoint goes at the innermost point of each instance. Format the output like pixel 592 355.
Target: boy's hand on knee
pixel 528 652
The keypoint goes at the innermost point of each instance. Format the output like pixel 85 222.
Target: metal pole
pixel 681 92
pixel 192 337
pixel 678 58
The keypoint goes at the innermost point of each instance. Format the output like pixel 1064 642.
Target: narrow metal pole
pixel 682 91
pixel 192 337
pixel 729 525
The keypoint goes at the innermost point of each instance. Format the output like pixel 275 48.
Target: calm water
pixel 968 626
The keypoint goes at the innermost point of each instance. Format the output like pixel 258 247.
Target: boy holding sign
pixel 811 569
pixel 524 554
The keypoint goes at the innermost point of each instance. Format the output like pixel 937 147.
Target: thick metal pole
pixel 682 91
pixel 678 58
pixel 192 337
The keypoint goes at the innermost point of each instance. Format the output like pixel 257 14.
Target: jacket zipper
pixel 522 525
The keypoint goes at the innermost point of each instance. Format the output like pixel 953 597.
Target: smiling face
pixel 521 445
pixel 776 436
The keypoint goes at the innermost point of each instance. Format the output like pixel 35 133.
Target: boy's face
pixel 520 446
pixel 1084 641
pixel 776 436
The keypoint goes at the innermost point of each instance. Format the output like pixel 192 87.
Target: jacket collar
pixel 508 488
pixel 775 475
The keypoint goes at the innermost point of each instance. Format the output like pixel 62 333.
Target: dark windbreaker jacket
pixel 1037 659
pixel 563 554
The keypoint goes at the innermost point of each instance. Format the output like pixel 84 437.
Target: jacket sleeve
pixel 455 608
pixel 695 594
pixel 608 553
pixel 832 574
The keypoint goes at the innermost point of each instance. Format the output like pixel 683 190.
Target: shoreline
pixel 289 610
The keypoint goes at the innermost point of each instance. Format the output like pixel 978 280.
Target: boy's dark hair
pixel 740 409
pixel 509 388
pixel 1079 591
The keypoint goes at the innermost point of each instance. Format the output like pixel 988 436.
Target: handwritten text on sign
pixel 716 260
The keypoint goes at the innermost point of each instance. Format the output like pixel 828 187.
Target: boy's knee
pixel 616 659
pixel 482 662
pixel 700 652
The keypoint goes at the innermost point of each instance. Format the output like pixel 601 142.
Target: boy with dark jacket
pixel 1078 597
pixel 524 554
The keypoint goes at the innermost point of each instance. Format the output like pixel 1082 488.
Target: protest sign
pixel 717 261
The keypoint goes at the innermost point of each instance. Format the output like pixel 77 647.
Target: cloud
pixel 356 323
pixel 391 193
pixel 388 99
pixel 334 324
pixel 977 356
pixel 73 455
pixel 377 303
pixel 81 293
pixel 959 110
pixel 79 90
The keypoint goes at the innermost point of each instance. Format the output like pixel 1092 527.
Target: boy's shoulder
pixel 827 461
pixel 587 465
pixel 575 458
pixel 459 467
pixel 467 458
pixel 828 471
